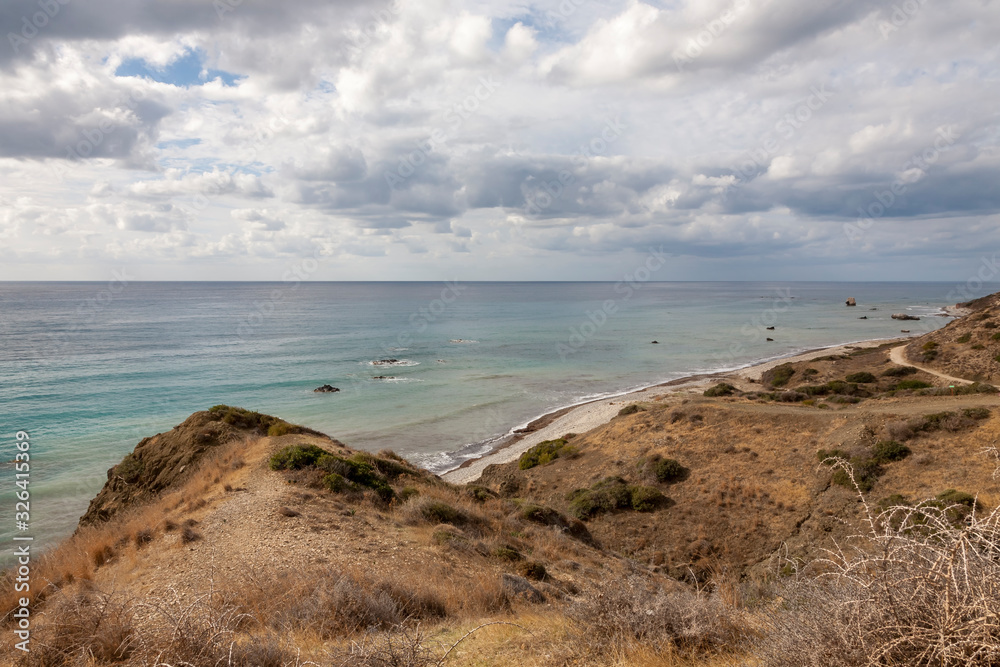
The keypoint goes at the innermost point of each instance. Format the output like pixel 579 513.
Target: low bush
pixel 976 413
pixel 887 451
pixel 911 384
pixel 646 498
pixel 546 452
pixel 977 346
pixel 631 410
pixel 613 493
pixel 827 456
pixel 296 457
pixel 866 472
pixel 438 511
pixel 666 471
pixel 863 377
pixel 130 469
pixel 507 552
pixel 721 389
pixel 995 336
pixel 779 375
pixel 899 371
pixel 929 346
pixel 964 338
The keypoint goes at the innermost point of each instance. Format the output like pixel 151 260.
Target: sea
pixel 437 372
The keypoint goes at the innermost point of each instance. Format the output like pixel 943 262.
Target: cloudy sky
pixel 499 139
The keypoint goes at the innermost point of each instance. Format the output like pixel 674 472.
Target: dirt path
pixel 898 356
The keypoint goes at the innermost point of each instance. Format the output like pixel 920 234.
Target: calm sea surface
pixel 89 369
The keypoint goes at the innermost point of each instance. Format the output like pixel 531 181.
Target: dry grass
pixel 916 589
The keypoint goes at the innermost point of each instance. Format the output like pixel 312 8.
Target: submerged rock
pixel 325 389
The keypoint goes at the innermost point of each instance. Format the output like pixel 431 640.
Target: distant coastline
pixel 589 414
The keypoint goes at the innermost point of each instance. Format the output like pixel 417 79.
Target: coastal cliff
pixel 666 536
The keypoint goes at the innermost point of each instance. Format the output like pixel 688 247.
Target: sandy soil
pixel 589 416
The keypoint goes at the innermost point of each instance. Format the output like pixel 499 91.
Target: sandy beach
pixel 588 416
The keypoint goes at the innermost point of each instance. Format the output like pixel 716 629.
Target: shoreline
pixel 588 415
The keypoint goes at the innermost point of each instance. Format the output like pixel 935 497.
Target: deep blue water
pixel 88 372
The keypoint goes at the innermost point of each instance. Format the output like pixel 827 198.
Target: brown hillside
pixel 968 347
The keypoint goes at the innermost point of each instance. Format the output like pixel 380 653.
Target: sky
pixel 499 139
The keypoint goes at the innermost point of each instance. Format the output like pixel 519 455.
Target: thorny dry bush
pixel 920 587
pixel 636 612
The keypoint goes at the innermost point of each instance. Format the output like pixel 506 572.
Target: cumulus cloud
pixel 469 135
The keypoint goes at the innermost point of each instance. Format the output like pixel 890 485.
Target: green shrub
pixel 631 410
pixel 391 468
pixel 953 497
pixel 668 470
pixel 824 455
pixel 976 413
pixel 437 511
pixel 780 375
pixel 479 493
pixel 899 371
pixel 721 389
pixel 613 493
pixel 929 346
pixel 408 492
pixel 546 452
pixel 862 377
pixel 912 384
pixel 995 336
pixel 507 552
pixel 646 498
pixel 964 338
pixel 977 346
pixel 281 428
pixel 809 372
pixel 296 457
pixel 359 471
pixel 130 469
pixel 866 473
pixel 886 451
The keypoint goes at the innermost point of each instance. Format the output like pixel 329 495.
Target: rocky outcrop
pixel 903 316
pixel 326 389
pixel 851 302
pixel 165 459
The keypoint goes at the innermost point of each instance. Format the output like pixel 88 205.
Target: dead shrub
pixel 87 625
pixel 917 589
pixel 638 611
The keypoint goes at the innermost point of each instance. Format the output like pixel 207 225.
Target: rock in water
pixel 851 302
pixel 903 316
pixel 325 389
pixel 655 342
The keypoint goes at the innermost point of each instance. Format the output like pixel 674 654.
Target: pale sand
pixel 589 416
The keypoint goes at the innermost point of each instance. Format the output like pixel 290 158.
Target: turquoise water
pixel 90 369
